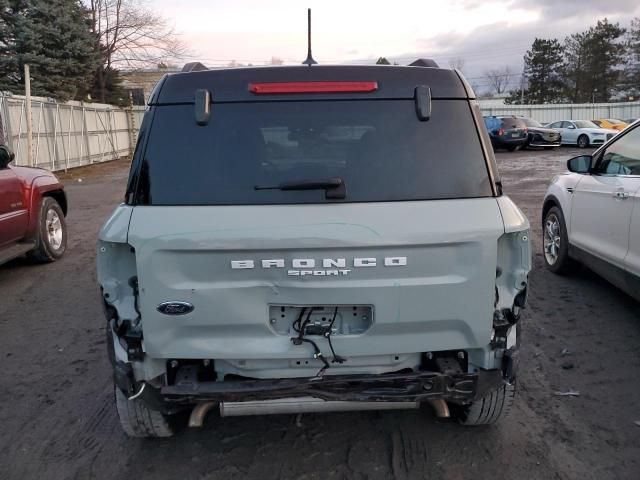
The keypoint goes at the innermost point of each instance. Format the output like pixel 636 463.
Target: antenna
pixel 309 61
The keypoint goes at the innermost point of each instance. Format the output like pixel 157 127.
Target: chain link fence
pixel 67 135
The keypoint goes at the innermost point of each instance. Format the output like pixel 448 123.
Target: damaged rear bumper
pixel 395 387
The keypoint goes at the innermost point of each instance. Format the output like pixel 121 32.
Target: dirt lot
pixel 58 421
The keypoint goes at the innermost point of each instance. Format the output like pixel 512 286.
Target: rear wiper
pixel 334 187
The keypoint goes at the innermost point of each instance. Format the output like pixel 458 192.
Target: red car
pixel 33 206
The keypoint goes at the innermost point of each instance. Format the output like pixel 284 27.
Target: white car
pixel 582 133
pixel 592 213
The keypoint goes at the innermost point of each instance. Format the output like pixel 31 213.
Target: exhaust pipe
pixel 440 407
pixel 198 413
pixel 305 405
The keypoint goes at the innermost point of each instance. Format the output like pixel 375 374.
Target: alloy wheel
pixel 53 227
pixel 552 239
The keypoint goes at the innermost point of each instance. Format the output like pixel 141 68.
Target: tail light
pixel 500 132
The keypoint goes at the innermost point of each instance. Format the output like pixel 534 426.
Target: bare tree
pixel 498 79
pixel 131 35
pixel 457 63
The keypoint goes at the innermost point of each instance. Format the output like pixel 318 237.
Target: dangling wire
pixel 299 319
pixel 327 335
pixel 299 327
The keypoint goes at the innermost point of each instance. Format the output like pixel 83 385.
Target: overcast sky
pixel 485 34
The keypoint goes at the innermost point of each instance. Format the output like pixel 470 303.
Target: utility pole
pixel 131 126
pixel 27 94
pixel 522 87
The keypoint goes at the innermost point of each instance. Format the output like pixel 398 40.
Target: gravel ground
pixel 58 420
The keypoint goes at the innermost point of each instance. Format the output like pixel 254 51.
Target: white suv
pixel 592 213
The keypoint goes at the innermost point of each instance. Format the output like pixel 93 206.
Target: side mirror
pixel 6 156
pixel 581 164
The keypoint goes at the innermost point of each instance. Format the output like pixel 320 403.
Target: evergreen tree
pixel 631 78
pixel 54 38
pixel 383 61
pixel 542 70
pixel 593 62
pixel 575 70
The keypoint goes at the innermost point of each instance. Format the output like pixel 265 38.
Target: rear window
pixel 510 122
pixel 378 148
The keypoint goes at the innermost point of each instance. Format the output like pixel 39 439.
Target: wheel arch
pixel 549 202
pixel 60 197
pixel 42 187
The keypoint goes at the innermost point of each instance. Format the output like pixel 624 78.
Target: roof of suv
pixel 232 85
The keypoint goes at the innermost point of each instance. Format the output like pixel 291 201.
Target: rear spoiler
pixel 233 85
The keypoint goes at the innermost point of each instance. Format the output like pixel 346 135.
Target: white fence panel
pixel 67 135
pixel 551 113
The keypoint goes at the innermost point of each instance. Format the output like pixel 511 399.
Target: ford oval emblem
pixel 175 308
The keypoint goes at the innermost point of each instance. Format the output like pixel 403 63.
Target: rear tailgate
pixel 441 299
pixel 514 129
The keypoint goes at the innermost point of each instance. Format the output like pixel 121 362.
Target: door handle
pixel 621 194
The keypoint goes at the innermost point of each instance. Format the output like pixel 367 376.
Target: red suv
pixel 33 206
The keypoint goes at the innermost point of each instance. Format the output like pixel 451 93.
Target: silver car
pixel 582 133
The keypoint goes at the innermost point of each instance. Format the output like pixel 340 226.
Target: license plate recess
pixel 349 319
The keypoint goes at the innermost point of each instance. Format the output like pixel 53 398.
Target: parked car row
pixel 514 132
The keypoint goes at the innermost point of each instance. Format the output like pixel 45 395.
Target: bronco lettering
pixel 305 266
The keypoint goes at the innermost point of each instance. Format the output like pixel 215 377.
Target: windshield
pixel 378 148
pixel 585 124
pixel 530 122
pixel 614 121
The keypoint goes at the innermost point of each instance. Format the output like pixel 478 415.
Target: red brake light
pixel 272 88
pixel 500 131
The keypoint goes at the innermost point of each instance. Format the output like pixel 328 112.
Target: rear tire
pixel 555 242
pixel 583 141
pixel 139 421
pixel 511 148
pixel 487 410
pixel 51 239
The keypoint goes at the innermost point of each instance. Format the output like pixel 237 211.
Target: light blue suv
pixel 306 239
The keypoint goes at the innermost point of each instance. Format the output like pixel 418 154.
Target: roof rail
pixel 424 62
pixel 194 67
